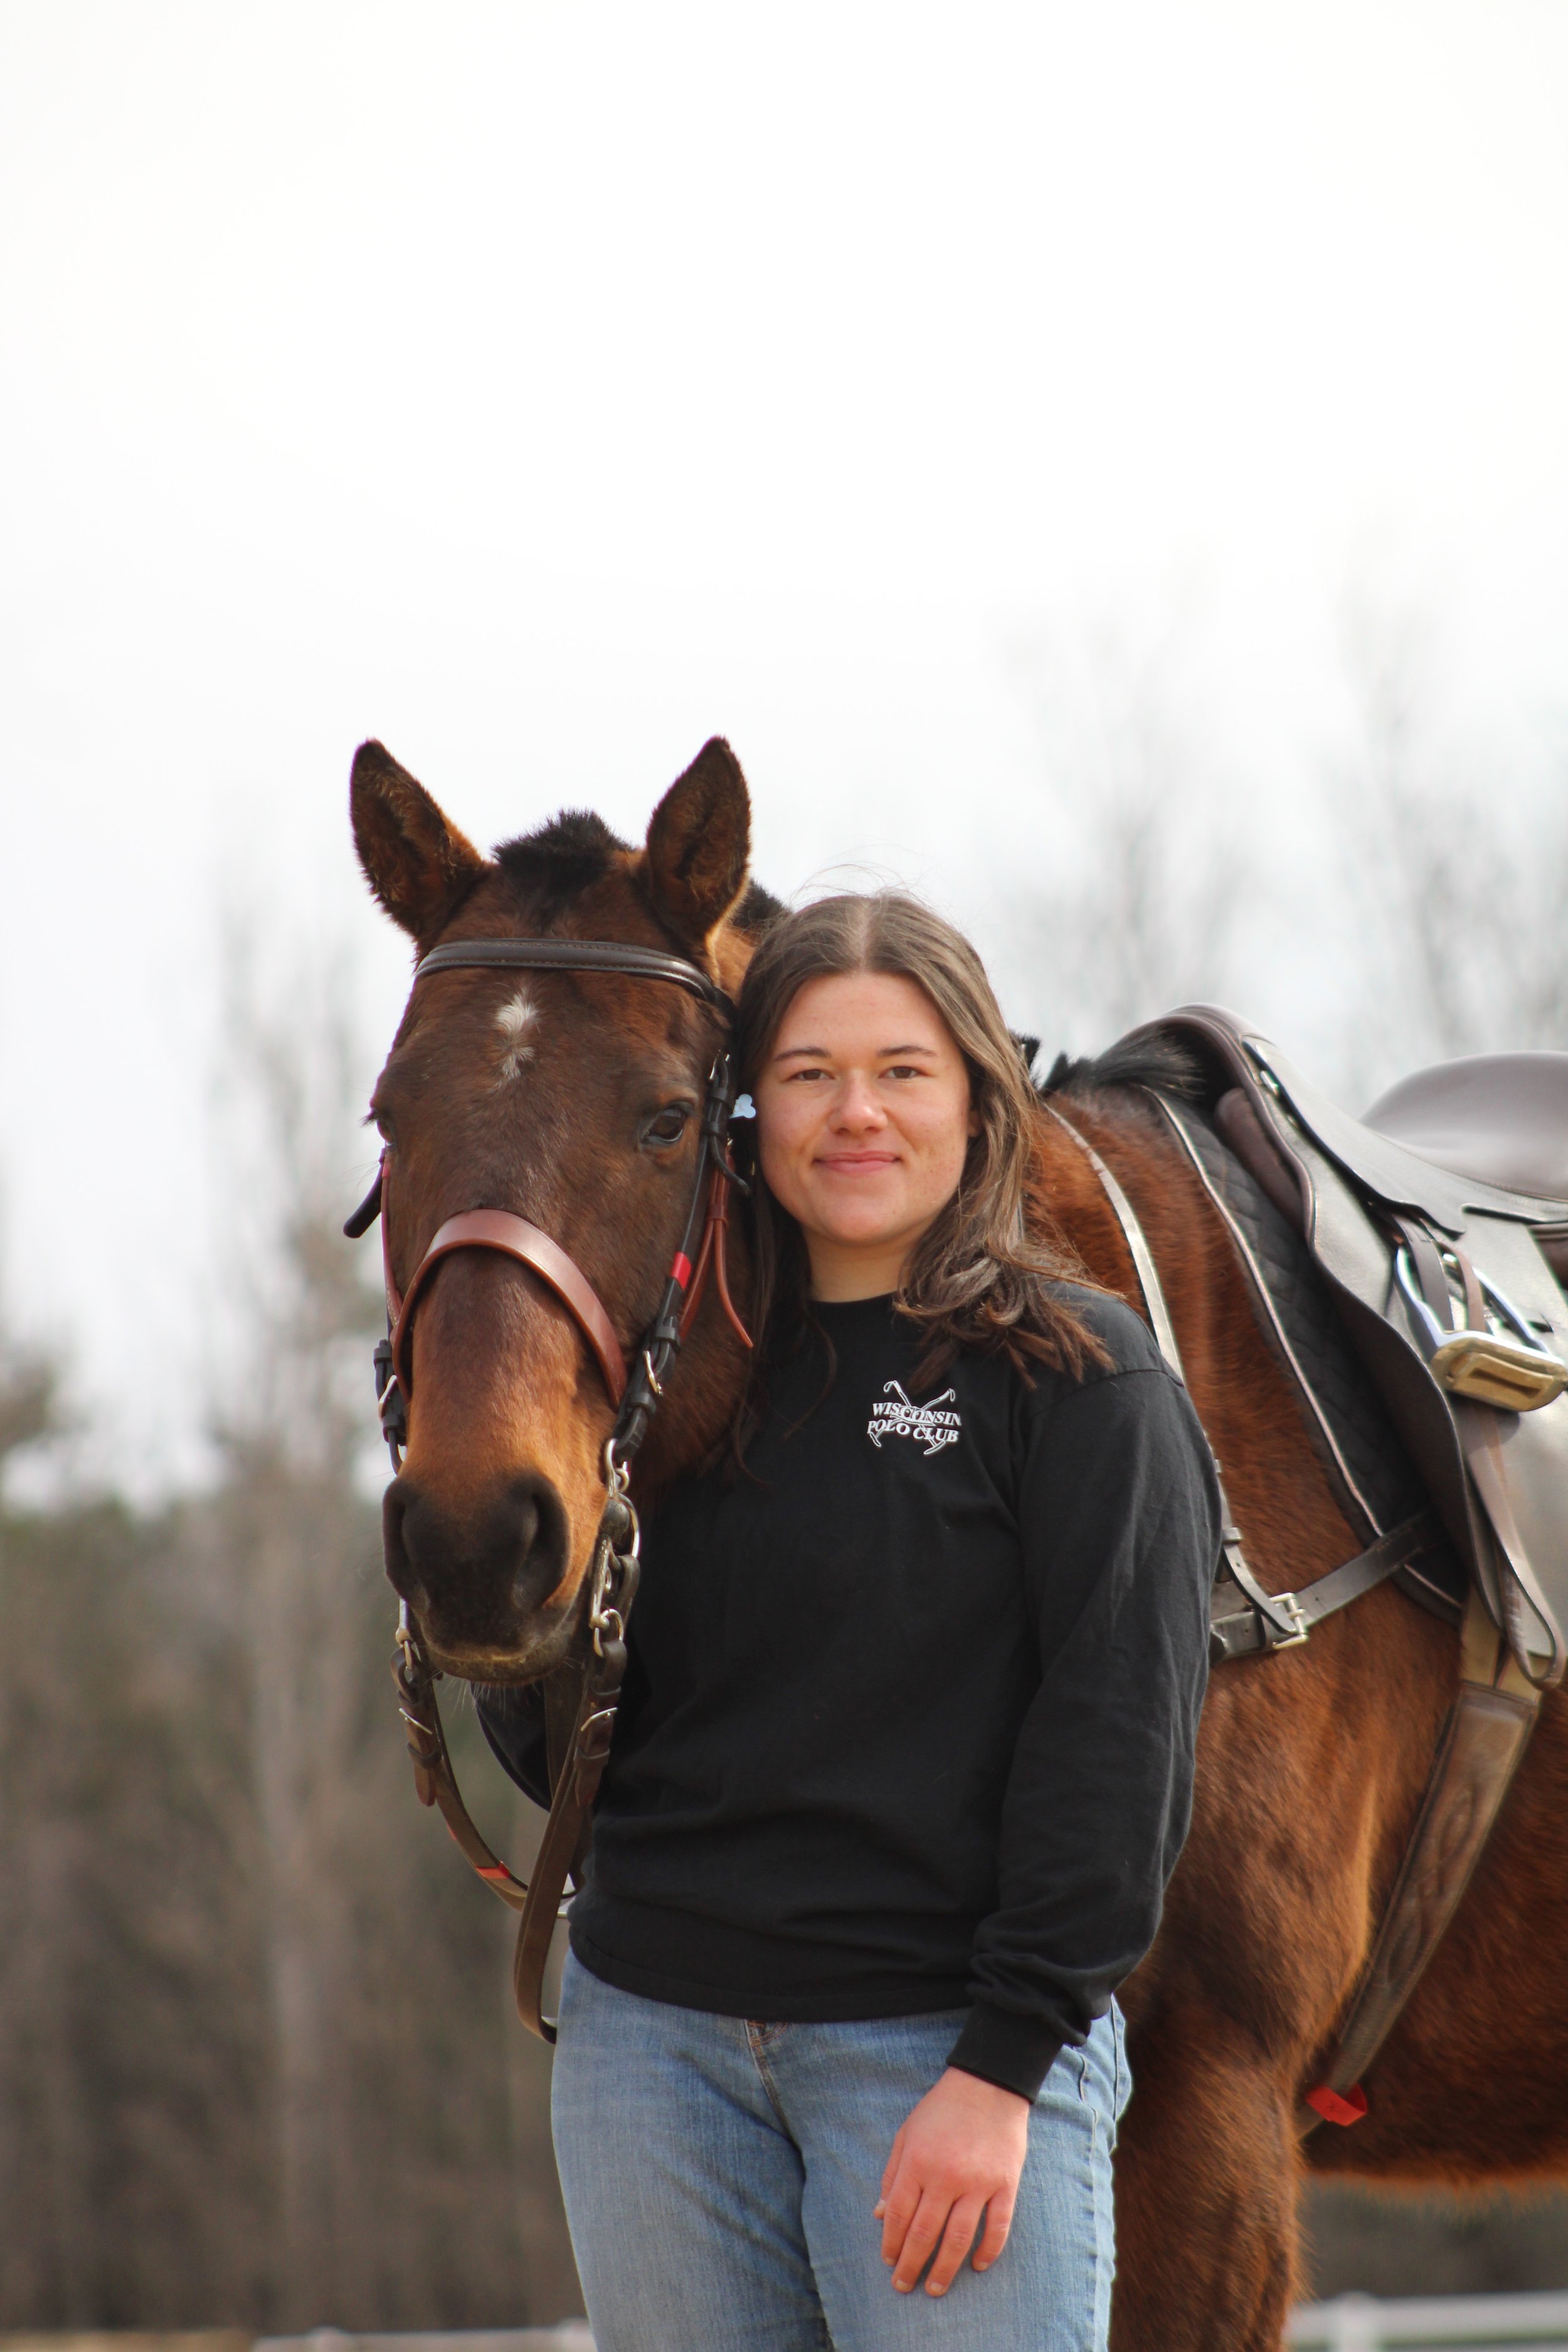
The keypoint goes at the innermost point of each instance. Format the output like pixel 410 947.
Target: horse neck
pixel 1065 1193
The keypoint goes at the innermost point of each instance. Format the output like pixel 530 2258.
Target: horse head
pixel 572 1098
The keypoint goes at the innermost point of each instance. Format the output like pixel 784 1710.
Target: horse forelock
pixel 548 868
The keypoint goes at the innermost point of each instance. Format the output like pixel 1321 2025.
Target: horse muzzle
pixel 485 1585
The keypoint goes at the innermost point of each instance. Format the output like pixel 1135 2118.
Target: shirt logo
pixel 929 1425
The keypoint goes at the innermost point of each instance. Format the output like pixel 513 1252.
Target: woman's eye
pixel 667 1126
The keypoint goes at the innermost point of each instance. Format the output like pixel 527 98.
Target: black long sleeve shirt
pixel 909 1717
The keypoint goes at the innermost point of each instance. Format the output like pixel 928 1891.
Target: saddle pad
pixel 1369 1469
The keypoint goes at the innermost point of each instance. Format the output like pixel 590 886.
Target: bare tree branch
pixel 1140 880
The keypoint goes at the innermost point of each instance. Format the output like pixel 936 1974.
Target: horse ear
pixel 415 859
pixel 699 844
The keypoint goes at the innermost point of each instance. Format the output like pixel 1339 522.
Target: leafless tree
pixel 255 2065
pixel 1131 880
pixel 352 2033
pixel 1456 858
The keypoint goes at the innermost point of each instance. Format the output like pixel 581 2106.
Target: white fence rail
pixel 572 2336
pixel 1483 2323
pixel 1353 2322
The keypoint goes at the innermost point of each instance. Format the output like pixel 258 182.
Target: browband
pixel 575 955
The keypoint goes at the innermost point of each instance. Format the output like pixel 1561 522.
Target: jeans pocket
pixel 1104 2075
pixel 1124 2089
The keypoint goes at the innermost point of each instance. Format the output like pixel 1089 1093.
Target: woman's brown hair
pixel 984 1276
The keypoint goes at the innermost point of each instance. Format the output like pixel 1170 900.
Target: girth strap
pixel 1479 1752
pixel 1243 1632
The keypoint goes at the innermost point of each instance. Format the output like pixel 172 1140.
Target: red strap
pixel 1336 2107
pixel 713 1255
pixel 498 1229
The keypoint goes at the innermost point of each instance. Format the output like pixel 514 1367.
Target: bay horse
pixel 573 1100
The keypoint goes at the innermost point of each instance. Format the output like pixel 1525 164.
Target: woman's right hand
pixel 957 2156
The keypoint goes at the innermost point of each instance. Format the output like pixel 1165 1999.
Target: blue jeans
pixel 719 2176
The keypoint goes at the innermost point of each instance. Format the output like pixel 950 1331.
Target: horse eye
pixel 667 1126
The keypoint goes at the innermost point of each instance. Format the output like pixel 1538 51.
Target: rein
pixel 634 1391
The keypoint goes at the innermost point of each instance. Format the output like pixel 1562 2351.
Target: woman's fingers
pixel 998 2221
pixel 897 2211
pixel 920 2238
pixel 891 2169
pixel 956 2241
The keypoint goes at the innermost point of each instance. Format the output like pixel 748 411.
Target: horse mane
pixel 757 911
pixel 1145 1058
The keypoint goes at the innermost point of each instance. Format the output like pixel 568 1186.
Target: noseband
pixel 635 1393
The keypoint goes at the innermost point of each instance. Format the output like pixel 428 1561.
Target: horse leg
pixel 1207 2175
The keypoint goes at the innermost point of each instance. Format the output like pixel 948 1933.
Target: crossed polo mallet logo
pixel 928 1423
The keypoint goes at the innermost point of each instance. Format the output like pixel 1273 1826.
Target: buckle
pixel 1290 1609
pixel 595 1736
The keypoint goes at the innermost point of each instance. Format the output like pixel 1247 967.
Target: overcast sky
pixel 543 387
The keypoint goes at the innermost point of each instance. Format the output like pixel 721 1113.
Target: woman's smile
pixel 864 1121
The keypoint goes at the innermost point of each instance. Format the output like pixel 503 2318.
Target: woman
pixel 905 1754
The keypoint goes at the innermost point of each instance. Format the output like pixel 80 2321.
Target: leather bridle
pixel 634 1391
pixel 513 1236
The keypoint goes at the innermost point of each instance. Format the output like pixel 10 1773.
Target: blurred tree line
pixel 259 2066
pixel 257 2060
pixel 1409 902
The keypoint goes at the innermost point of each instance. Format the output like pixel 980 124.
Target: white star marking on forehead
pixel 514 1020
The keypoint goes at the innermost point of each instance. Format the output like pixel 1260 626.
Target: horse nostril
pixel 527 1517
pixel 544 1540
pixel 400 1571
pixel 477 1576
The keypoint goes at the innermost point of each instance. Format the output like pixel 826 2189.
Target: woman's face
pixel 863 1121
